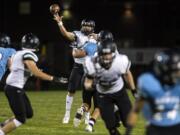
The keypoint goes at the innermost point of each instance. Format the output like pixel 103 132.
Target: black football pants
pixel 106 104
pixel 19 103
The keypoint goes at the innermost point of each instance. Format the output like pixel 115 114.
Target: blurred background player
pixel 79 38
pixel 160 90
pixel 23 66
pixel 5 53
pixel 107 68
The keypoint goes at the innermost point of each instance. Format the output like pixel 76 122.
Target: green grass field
pixel 49 107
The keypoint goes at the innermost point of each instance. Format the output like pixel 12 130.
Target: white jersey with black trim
pixel 19 73
pixel 81 39
pixel 108 81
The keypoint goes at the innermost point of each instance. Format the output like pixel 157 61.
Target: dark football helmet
pixel 30 41
pixel 5 41
pixel 87 23
pixel 106 53
pixel 166 66
pixel 105 35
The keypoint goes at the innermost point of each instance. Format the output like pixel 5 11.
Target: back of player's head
pixel 166 65
pixel 5 41
pixel 30 41
pixel 105 35
pixel 106 53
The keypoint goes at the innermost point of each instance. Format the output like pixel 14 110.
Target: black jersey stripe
pixel 29 56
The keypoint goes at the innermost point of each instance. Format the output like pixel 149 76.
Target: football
pixel 54 9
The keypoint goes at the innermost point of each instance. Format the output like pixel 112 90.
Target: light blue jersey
pixel 5 54
pixel 163 101
pixel 90 48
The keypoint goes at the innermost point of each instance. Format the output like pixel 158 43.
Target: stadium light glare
pixel 67 14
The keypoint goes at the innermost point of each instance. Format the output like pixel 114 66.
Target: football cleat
pixel 66 119
pixel 89 128
pixel 78 117
pixel 76 122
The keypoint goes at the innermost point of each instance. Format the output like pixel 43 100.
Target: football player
pixel 79 38
pixel 89 50
pixel 5 53
pixel 23 66
pixel 107 69
pixel 159 89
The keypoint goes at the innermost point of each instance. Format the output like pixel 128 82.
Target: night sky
pixel 153 22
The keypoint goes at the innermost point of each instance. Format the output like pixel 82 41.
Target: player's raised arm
pixel 69 35
pixel 54 9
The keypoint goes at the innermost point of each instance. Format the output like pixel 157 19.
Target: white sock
pixel 87 115
pixel 17 123
pixel 1 132
pixel 69 101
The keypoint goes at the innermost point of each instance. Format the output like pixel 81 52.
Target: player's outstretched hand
pixel 57 18
pixel 135 93
pixel 60 80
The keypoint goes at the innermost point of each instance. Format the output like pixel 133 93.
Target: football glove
pixel 134 93
pixel 60 80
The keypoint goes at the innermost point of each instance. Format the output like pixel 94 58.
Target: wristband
pixel 134 92
pixel 60 23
